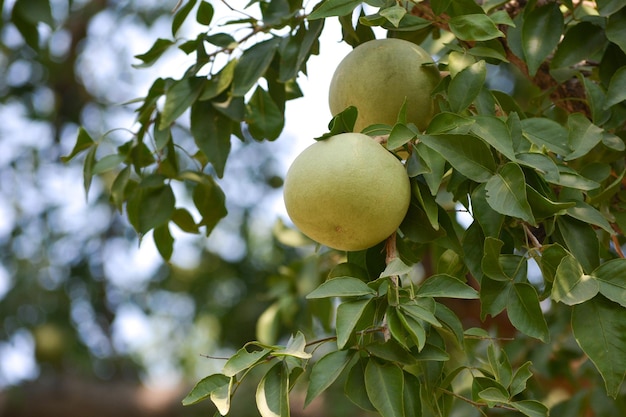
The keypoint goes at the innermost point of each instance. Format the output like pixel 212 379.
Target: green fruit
pixel 377 76
pixel 347 192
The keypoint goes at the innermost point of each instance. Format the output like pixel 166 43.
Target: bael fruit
pixel 377 76
pixel 347 192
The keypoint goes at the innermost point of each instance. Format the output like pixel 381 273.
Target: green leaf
pixel 326 371
pixel 596 98
pixel 443 285
pixel 294 348
pixel 435 162
pixel 272 394
pixel 390 351
pixel 83 142
pixel 495 132
pixel 525 313
pixel 599 327
pixel 221 398
pixel 341 287
pixel 265 120
pixel 205 12
pixel 393 14
pixel 297 49
pixel 330 8
pixel 243 360
pixel 164 241
pixel 467 154
pixel 159 47
pixel 589 214
pixel 150 206
pixel 107 163
pixel 531 408
pixel 395 267
pixel 348 315
pixel 355 386
pixel 34 11
pixel 181 15
pixel 209 199
pixel 385 388
pixel 446 122
pixel 545 132
pixel 474 27
pixel 178 98
pixel 616 28
pixel 571 285
pixel 616 92
pixel 583 135
pixel 520 376
pixel 183 219
pixel 420 311
pixel 253 64
pixel 541 32
pixel 581 240
pixel 400 134
pixel 464 88
pixel 506 193
pixel 608 7
pixel 203 389
pixel 611 275
pixel 493 395
pixel 414 328
pixel 211 131
pixel 580 42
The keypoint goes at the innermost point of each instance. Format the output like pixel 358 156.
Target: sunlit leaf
pixel 203 389
pixel 272 394
pixel 341 287
pixel 242 360
pixel 611 275
pixel 571 285
pixel 442 285
pixel 348 315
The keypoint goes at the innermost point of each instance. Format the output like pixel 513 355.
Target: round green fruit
pixel 347 192
pixel 378 76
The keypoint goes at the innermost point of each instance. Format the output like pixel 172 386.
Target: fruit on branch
pixel 347 192
pixel 378 76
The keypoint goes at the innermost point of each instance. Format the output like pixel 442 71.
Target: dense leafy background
pixel 518 310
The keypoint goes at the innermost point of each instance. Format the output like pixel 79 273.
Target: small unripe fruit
pixel 377 76
pixel 347 192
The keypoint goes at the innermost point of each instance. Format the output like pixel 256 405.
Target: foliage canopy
pixel 539 165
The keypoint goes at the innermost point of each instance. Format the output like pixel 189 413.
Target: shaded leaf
pixel 385 388
pixel 548 133
pixel 325 371
pixel 541 32
pixel 348 315
pixel 181 15
pixel 599 327
pixel 616 92
pixel 616 28
pixel 264 117
pixel 253 64
pixel 211 131
pixel 464 88
pixel 525 313
pixel 610 276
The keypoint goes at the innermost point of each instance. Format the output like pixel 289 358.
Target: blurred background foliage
pixel 84 307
